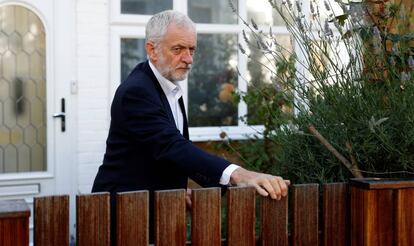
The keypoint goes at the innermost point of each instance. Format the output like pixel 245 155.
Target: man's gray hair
pixel 158 24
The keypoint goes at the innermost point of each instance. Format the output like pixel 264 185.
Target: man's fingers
pixel 270 188
pixel 276 188
pixel 283 186
pixel 265 184
pixel 260 190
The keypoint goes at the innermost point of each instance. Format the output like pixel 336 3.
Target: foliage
pixel 350 76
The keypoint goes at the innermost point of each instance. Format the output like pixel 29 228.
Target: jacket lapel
pixel 163 97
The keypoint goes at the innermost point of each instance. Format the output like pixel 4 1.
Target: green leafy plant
pixel 341 102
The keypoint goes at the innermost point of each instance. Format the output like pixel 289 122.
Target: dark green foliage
pixel 359 98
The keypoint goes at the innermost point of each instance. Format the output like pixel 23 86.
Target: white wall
pixel 93 87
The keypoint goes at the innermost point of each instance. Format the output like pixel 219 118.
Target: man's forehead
pixel 181 35
pixel 187 29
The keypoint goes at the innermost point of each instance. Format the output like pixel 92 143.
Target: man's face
pixel 174 56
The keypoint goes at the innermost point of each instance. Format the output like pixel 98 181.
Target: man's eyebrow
pixel 182 46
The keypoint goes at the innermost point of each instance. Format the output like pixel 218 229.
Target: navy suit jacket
pixel 145 150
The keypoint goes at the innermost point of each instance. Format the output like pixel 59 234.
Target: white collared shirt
pixel 173 92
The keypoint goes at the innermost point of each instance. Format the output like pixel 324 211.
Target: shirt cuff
pixel 225 177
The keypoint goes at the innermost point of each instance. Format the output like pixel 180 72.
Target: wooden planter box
pixel 14 223
pixel 382 212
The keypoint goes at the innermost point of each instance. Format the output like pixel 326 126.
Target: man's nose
pixel 187 57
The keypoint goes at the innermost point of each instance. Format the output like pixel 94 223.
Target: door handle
pixel 61 115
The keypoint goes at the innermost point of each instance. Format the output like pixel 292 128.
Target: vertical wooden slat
pixel 241 216
pixel 305 214
pixel 380 222
pixel 170 226
pixel 51 220
pixel 274 221
pixel 132 218
pixel 206 213
pixel 14 231
pixel 335 214
pixel 357 216
pixel 14 223
pixel 372 219
pixel 93 219
pixel 404 217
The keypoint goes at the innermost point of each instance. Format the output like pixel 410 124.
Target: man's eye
pixel 176 50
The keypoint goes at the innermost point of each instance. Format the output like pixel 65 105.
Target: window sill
pixel 202 134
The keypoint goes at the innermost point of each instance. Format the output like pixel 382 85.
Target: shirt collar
pixel 169 87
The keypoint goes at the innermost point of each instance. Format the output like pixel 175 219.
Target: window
pixel 144 7
pixel 213 12
pixel 22 91
pixel 214 78
pixel 212 81
pixel 132 52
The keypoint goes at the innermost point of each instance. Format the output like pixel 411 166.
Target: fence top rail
pixel 132 192
pixel 104 193
pixel 57 196
pixel 14 208
pixel 382 183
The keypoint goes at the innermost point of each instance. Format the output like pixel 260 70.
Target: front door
pixel 37 153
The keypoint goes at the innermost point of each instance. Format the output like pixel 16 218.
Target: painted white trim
pixel 128 19
pixel 198 134
pixel 242 9
pixel 19 190
pixel 114 10
pixel 65 71
pixel 242 83
pixel 218 28
pixel 180 5
pixel 26 176
pixel 50 92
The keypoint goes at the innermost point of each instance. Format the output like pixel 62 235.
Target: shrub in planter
pixel 341 103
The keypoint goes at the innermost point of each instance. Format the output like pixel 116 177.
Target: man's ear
pixel 151 51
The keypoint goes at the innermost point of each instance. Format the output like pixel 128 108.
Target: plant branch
pixel 341 158
pixel 354 162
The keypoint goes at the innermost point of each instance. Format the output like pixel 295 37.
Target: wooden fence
pixel 93 218
pixel 305 218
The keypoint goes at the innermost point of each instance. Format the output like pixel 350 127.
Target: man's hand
pixel 265 184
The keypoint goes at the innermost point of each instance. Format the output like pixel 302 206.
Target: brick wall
pixel 93 87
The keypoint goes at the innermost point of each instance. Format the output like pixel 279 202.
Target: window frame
pixel 133 26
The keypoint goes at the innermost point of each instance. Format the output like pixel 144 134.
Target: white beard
pixel 170 73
